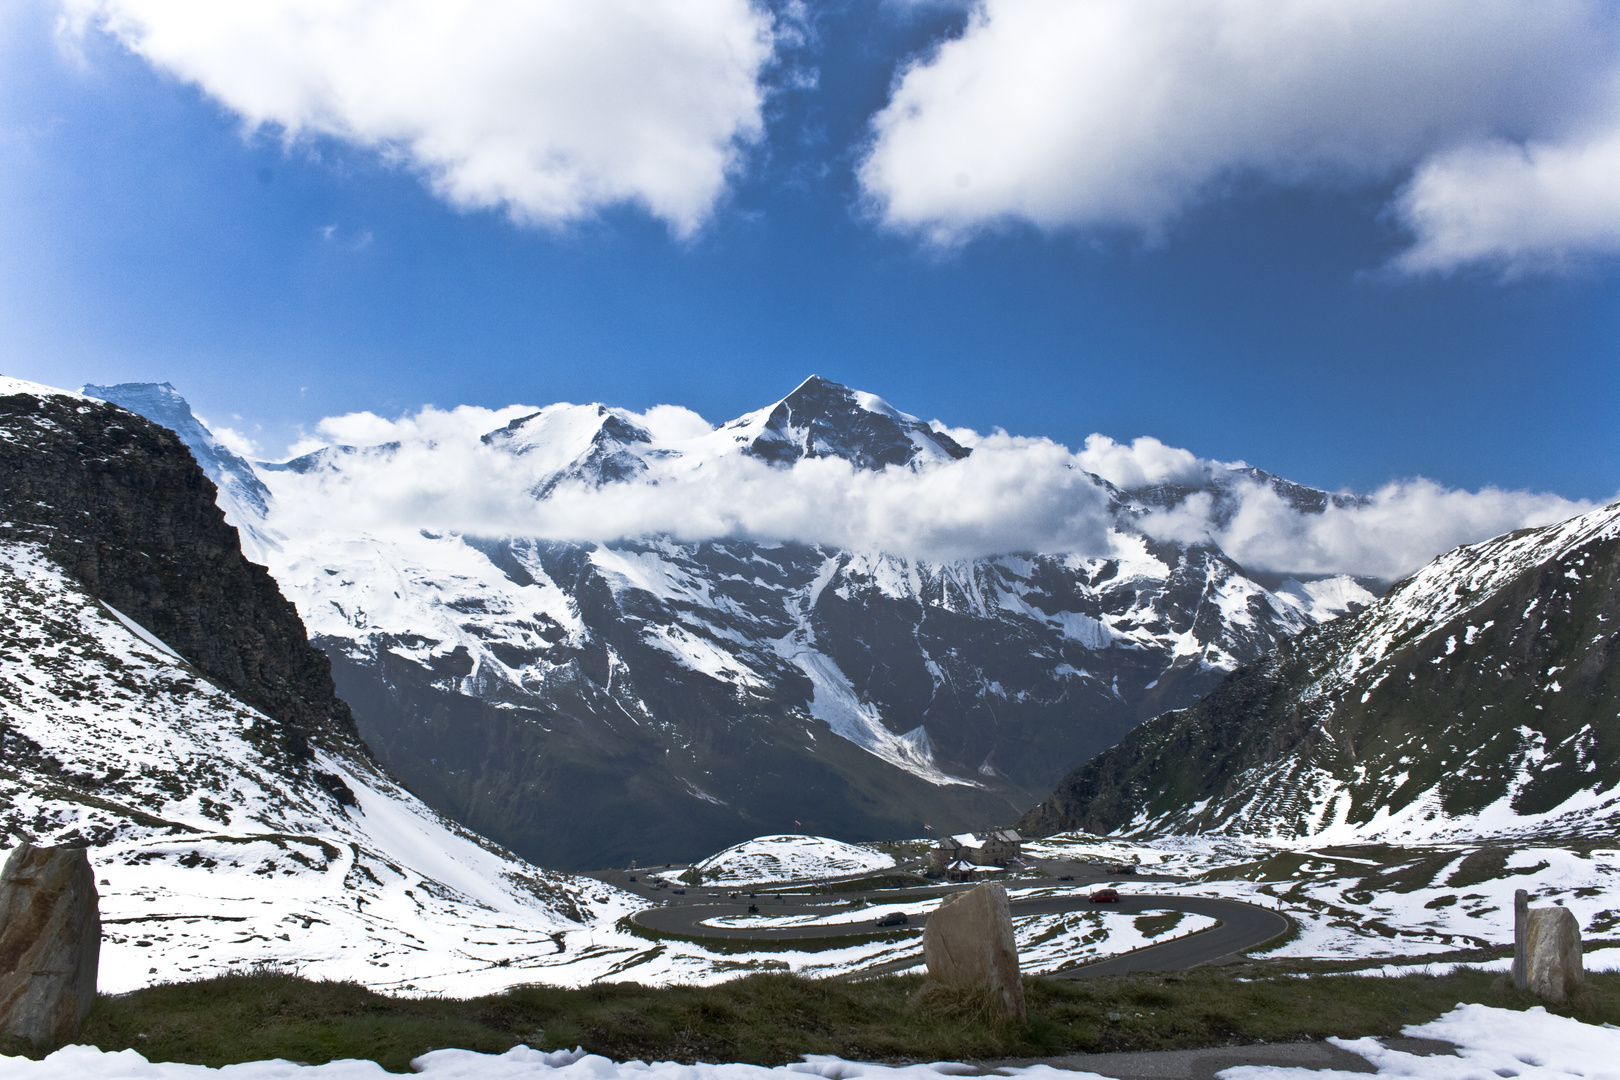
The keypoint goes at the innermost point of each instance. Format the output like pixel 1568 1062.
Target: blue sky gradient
pixel 145 237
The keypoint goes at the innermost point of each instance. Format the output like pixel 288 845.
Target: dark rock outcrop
pixel 50 943
pixel 121 504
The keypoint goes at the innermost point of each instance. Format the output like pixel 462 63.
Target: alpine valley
pixel 584 702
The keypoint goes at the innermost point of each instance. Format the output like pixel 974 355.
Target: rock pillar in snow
pixel 1552 948
pixel 1521 918
pixel 968 941
pixel 50 943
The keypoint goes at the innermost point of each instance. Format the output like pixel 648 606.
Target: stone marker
pixel 1553 953
pixel 1521 920
pixel 50 943
pixel 968 941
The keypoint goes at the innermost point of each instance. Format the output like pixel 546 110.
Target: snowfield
pixel 1534 1044
pixel 790 858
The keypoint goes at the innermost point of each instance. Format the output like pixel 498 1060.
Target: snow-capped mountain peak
pixel 821 418
pixel 726 685
pixel 590 444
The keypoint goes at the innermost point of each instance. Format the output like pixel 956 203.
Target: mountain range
pixel 586 702
pixel 1479 697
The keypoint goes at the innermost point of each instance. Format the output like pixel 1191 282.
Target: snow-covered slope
pixel 654 698
pixel 1478 697
pixel 215 850
pixel 223 833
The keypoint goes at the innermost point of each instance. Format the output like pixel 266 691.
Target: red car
pixel 1105 896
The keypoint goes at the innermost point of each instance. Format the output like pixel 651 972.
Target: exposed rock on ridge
pixel 123 506
pixel 1486 684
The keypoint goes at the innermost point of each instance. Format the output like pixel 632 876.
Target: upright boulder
pixel 968 941
pixel 50 943
pixel 1553 953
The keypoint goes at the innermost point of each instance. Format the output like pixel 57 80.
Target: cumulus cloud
pixel 1012 495
pixel 1385 535
pixel 1121 113
pixel 548 108
pixel 1521 208
pixel 1146 461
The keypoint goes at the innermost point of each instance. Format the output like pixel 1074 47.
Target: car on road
pixel 1124 868
pixel 1066 877
pixel 1105 896
pixel 896 919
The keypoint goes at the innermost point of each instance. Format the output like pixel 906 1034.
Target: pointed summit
pixel 821 418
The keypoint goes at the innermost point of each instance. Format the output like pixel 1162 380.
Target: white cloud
pixel 550 109
pixel 1518 207
pixel 1011 495
pixel 235 441
pixel 1396 530
pixel 1122 113
pixel 1145 461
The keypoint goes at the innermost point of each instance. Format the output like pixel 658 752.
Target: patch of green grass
pixel 773 1018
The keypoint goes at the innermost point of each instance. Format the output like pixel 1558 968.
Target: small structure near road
pixel 1546 950
pixel 968 942
pixel 50 943
pixel 997 847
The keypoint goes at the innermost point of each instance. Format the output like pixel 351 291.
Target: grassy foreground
pixel 770 1019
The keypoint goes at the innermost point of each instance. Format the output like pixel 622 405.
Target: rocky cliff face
pixel 120 503
pixel 1481 694
pixel 133 638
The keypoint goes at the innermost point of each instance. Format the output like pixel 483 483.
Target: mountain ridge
pixel 715 690
pixel 1479 693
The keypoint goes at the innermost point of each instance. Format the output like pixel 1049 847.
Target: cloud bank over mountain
pixel 1503 114
pixel 549 110
pixel 433 470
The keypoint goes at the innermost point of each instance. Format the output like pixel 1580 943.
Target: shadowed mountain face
pixel 1480 694
pixel 586 704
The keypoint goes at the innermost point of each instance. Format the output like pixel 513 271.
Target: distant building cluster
pixel 960 856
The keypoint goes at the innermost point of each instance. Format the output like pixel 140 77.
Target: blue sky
pixel 1316 291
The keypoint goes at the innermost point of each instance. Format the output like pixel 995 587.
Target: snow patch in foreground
pixel 1532 1045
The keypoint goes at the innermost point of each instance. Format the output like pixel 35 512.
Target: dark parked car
pixel 1105 896
pixel 1125 868
pixel 1066 877
pixel 897 919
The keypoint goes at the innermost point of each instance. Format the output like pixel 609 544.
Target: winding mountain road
pixel 1238 927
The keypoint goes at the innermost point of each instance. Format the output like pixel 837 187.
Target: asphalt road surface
pixel 1239 926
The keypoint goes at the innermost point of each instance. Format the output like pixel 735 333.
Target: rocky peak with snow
pixel 1479 696
pixel 827 419
pixel 585 703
